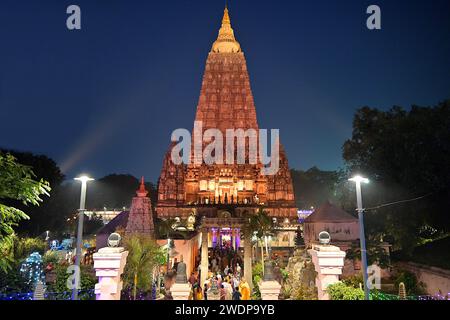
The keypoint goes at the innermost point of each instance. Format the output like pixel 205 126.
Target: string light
pixel 32 269
pixel 67 295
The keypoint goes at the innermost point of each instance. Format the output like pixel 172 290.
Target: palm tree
pixel 144 255
pixel 260 225
pixel 164 228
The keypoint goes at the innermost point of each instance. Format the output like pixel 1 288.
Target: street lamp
pixel 84 180
pixel 362 237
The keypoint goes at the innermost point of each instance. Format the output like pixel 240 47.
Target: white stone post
pixel 328 262
pixel 180 291
pixel 270 290
pixel 109 264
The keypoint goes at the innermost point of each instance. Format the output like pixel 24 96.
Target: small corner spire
pixel 142 192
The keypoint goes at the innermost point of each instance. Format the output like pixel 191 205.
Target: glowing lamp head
pixel 84 179
pixel 359 179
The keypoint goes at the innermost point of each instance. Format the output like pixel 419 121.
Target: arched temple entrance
pixel 221 239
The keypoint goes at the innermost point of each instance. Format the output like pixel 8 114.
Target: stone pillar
pixel 248 261
pixel 204 262
pixel 109 264
pixel 328 262
pixel 180 291
pixel 270 290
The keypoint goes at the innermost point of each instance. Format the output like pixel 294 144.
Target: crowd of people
pixel 224 276
pixel 225 260
pixel 224 279
pixel 229 287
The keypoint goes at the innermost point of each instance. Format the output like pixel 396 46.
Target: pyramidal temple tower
pixel 225 190
pixel 140 218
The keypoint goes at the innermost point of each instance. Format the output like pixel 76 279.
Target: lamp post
pixel 362 237
pixel 84 180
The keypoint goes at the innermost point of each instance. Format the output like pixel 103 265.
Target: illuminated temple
pixel 220 196
pixel 226 102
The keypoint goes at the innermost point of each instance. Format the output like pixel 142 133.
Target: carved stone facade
pixel 226 102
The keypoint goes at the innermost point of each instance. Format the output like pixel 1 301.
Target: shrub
pixel 341 291
pixel 302 292
pixel 51 257
pixel 257 273
pixel 12 281
pixel 355 281
pixel 23 247
pixel 87 281
pixel 412 285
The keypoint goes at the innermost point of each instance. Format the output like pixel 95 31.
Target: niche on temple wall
pixel 203 185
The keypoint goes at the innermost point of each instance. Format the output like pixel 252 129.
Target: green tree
pixel 341 291
pixel 261 226
pixel 144 255
pixel 376 254
pixel 17 182
pixel 59 287
pixel 52 211
pixel 405 154
pixel 164 229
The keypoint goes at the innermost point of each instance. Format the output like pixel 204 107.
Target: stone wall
pixel 436 280
pixel 301 281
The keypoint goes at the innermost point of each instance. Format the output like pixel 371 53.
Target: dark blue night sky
pixel 106 99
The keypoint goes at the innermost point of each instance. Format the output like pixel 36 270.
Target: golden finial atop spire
pixel 225 41
pixel 226 17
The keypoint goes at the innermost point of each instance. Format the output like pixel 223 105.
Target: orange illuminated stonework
pixel 226 102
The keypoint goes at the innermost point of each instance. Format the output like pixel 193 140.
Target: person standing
pixel 236 294
pixel 226 270
pixel 244 288
pixel 205 292
pixel 228 288
pixel 238 269
pixel 223 292
pixel 198 293
pixel 192 279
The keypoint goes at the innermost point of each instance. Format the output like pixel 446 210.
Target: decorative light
pixel 359 179
pixel 84 178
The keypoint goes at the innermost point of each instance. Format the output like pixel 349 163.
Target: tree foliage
pixel 341 291
pixel 376 254
pixel 51 213
pixel 17 183
pixel 406 155
pixel 260 224
pixel 87 280
pixel 144 255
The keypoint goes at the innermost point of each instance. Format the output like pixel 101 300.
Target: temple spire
pixel 226 42
pixel 140 217
pixel 142 192
pixel 226 17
